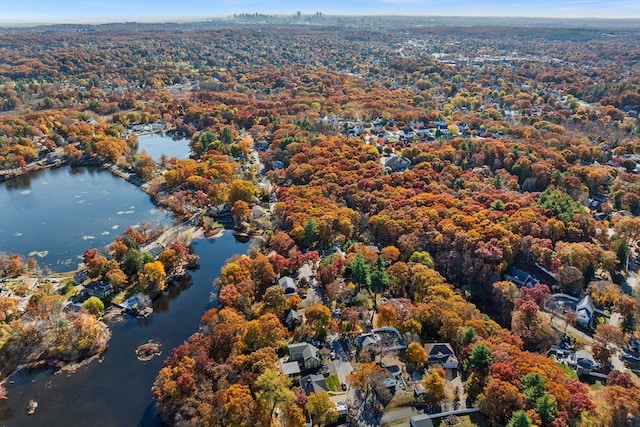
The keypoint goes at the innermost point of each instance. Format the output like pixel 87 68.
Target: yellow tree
pixel 241 190
pixel 386 316
pixel 240 211
pixel 434 386
pixel 153 276
pixel 416 354
pixel 365 377
pixel 321 409
pixel 274 389
pixel 317 316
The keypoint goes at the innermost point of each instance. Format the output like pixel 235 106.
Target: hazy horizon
pixel 15 12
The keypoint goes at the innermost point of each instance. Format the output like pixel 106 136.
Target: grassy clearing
pixel 471 420
pixel 400 399
pixel 596 386
pixel 118 299
pixel 568 372
pixel 333 383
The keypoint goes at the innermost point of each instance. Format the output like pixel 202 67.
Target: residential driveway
pixel 399 414
pixel 306 271
pixel 342 368
pixel 632 280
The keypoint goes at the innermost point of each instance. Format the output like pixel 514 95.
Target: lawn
pixel 333 383
pixel 471 420
pixel 568 372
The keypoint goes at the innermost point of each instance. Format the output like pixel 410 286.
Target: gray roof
pixel 303 351
pixel 365 340
pixel 586 303
pixel 292 315
pixel 287 283
pixel 398 164
pixel 423 420
pixel 313 383
pixel 291 368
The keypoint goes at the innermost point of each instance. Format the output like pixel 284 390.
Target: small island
pixel 148 351
pixel 31 409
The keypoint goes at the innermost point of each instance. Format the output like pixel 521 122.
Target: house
pixel 521 278
pixel 313 383
pixel 368 342
pixel 600 198
pixel 592 204
pixel 408 133
pixel 585 362
pixel 423 420
pixel 441 127
pixel 601 216
pixel 390 338
pixel 585 310
pixel 397 164
pixel 442 354
pixel 332 250
pixel 393 371
pixel 258 212
pixel 306 354
pixel 262 145
pixel 288 284
pixel 390 383
pixel 221 213
pixel 342 409
pixel 98 289
pixel 54 158
pixel 292 319
pixel 562 355
pixel 291 369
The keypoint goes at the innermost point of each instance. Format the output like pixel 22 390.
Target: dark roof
pixel 313 383
pixel 441 353
pixel 392 369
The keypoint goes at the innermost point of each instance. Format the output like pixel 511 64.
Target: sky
pixel 66 11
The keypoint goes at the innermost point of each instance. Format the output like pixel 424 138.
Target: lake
pixel 116 391
pixel 54 215
pixel 57 214
pixel 157 144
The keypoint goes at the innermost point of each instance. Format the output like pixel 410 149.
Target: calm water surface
pixel 157 144
pixel 54 215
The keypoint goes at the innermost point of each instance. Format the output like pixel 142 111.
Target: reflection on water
pixel 174 289
pixel 158 144
pixel 56 214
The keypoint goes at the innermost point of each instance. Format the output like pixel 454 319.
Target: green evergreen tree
pixel 546 407
pixel 360 271
pixel 519 419
pixel 310 232
pixel 379 277
pixel 533 388
pixel 479 360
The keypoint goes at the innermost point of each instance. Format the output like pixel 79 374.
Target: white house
pixel 585 310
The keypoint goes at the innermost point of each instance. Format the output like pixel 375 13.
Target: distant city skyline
pixel 92 11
